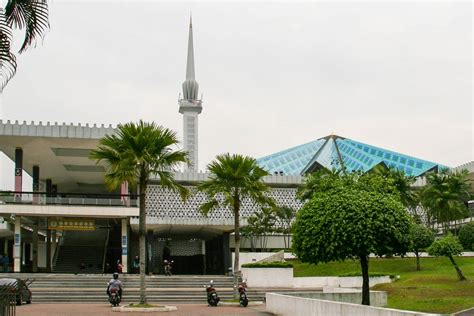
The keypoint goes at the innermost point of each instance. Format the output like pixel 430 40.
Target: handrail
pixel 105 250
pixel 65 194
pixel 56 251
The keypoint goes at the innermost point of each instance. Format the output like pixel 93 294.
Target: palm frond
pixel 32 15
pixel 7 58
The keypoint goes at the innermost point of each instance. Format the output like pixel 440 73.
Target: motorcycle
pixel 212 298
pixel 167 267
pixel 243 300
pixel 114 296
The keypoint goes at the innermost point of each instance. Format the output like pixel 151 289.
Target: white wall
pixel 286 305
pixel 251 257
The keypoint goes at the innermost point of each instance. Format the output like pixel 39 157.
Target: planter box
pixel 268 277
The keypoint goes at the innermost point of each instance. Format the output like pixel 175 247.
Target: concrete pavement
pixel 106 310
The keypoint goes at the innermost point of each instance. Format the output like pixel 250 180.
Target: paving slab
pixel 106 310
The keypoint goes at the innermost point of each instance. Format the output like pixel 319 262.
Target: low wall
pixel 286 305
pixel 283 277
pixel 251 257
pixel 377 298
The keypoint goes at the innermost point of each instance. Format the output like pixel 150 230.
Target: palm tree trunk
pixel 237 243
pixel 364 264
pixel 460 274
pixel 142 242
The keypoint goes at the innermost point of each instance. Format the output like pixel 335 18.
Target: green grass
pixel 434 289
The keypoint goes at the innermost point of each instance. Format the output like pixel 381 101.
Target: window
pixel 411 163
pixel 403 160
pixel 419 165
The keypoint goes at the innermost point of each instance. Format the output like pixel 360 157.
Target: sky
pixel 397 75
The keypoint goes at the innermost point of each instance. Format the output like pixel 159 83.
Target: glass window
pixel 379 153
pixel 419 165
pixel 395 158
pixel 411 163
pixel 366 149
pixel 372 151
pixel 403 160
pixel 387 156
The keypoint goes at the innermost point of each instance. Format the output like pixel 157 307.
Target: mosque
pixel 69 221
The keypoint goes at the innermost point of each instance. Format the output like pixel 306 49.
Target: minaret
pixel 190 107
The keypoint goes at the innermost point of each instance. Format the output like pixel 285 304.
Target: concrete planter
pixel 268 277
pixel 162 308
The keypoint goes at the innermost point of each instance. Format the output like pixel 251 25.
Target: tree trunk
pixel 142 242
pixel 364 265
pixel 418 268
pixel 460 274
pixel 237 243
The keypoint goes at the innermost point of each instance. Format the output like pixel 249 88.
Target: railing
pixel 43 198
pixel 105 250
pixel 8 299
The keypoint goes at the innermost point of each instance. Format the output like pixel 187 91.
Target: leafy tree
pixel 232 179
pixel 445 196
pixel 448 246
pixel 355 216
pixel 402 182
pixel 421 238
pixel 261 224
pixel 28 15
pixel 133 154
pixel 315 182
pixel 466 236
pixel 284 217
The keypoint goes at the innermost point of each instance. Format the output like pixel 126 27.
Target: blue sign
pixel 124 251
pixel 17 239
pixel 124 240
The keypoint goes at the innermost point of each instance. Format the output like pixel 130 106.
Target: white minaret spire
pixel 190 106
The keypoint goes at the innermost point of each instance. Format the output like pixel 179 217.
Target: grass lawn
pixel 434 289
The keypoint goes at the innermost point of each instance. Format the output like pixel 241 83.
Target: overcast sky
pixel 397 75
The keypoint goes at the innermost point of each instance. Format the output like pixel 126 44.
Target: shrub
pixel 275 264
pixel 466 236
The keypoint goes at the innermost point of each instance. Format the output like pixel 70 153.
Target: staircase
pixel 91 288
pixel 81 247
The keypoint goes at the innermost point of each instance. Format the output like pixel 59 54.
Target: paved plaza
pixel 106 310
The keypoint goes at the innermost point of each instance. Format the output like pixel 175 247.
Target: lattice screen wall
pixel 167 206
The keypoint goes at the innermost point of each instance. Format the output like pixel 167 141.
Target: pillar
pixel 227 255
pixel 124 194
pixel 203 251
pixel 48 249
pixel 18 172
pixel 125 245
pixel 34 248
pixel 36 184
pixel 53 246
pixel 17 246
pixel 49 187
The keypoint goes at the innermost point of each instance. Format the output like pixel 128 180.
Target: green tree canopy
pixel 353 217
pixel 133 154
pixel 421 238
pixel 466 236
pixel 449 247
pixel 445 196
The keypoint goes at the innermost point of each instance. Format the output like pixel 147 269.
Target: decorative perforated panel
pixel 166 207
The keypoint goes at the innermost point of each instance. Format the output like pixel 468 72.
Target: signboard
pixel 124 251
pixel 17 239
pixel 69 223
pixel 124 241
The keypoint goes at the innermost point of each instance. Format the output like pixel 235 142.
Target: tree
pixel 421 238
pixel 232 179
pixel 261 224
pixel 402 182
pixel 448 246
pixel 30 15
pixel 354 216
pixel 466 236
pixel 133 154
pixel 315 182
pixel 445 196
pixel 284 217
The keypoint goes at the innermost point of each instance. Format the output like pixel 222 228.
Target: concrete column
pixel 34 248
pixel 48 249
pixel 203 251
pixel 53 246
pixel 125 245
pixel 5 246
pixel 227 255
pixel 124 194
pixel 18 172
pixel 36 184
pixel 17 246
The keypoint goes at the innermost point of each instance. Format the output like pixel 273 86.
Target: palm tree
pixel 30 15
pixel 402 183
pixel 445 195
pixel 232 179
pixel 133 154
pixel 316 181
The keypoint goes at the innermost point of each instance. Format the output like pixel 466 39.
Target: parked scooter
pixel 167 267
pixel 212 298
pixel 243 300
pixel 114 296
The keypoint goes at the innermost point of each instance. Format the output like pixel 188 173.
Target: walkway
pixel 105 310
